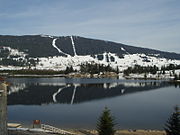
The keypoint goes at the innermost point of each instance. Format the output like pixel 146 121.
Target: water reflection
pixel 38 93
pixel 131 102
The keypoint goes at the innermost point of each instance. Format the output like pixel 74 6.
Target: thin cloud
pixel 152 24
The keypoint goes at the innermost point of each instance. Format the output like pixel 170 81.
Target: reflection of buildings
pixel 3 108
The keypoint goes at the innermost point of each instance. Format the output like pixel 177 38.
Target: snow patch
pixel 59 50
pixel 14 52
pixel 123 49
pixel 60 62
pixel 74 49
pixel 42 35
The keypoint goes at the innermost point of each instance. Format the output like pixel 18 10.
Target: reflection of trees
pixel 16 87
pixel 176 84
pixel 44 94
pixel 100 85
pixel 33 94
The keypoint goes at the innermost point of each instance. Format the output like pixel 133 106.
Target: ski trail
pixel 74 92
pixel 124 50
pixel 104 57
pixel 55 94
pixel 59 50
pixel 72 41
pixel 109 57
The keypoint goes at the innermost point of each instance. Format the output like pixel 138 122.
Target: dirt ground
pixel 27 133
pixel 88 132
pixel 140 132
pixel 134 132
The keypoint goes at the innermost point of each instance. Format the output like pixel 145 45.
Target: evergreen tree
pixel 145 76
pixel 117 70
pixel 172 127
pixel 105 125
pixel 173 71
pixel 71 69
pixel 163 72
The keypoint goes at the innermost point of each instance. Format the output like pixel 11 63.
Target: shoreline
pixel 89 132
pixel 86 75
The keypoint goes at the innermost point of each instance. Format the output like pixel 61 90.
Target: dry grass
pixel 140 132
pixel 94 132
pixel 131 132
pixel 27 133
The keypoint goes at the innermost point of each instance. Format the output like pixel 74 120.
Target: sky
pixel 144 23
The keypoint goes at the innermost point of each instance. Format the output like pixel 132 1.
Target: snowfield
pixel 62 62
pixel 129 60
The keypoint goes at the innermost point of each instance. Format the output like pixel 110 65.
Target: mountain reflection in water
pixel 74 93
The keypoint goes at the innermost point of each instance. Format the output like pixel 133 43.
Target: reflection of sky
pixel 59 80
pixel 152 24
pixel 146 110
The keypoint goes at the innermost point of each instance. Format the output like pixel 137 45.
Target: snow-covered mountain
pixel 57 53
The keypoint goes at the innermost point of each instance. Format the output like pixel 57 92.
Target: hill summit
pixel 60 52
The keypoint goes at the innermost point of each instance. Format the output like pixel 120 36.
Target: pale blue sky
pixel 145 23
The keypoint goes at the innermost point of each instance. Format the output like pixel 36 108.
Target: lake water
pixel 77 103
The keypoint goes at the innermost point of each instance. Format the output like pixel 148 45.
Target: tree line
pixel 151 69
pixel 94 68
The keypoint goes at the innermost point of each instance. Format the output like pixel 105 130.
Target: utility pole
pixel 3 108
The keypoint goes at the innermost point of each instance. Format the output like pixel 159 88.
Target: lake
pixel 77 103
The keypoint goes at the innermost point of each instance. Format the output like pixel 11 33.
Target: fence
pixel 55 130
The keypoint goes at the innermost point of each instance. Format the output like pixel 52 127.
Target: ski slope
pixel 62 62
pixel 59 50
pixel 74 49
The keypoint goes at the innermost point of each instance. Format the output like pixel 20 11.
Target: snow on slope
pixel 14 52
pixel 74 49
pixel 129 60
pixel 59 50
pixel 124 50
pixel 105 57
pixel 60 62
pixel 42 35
